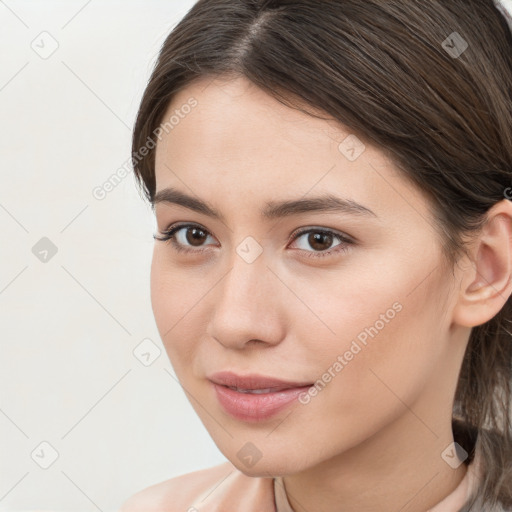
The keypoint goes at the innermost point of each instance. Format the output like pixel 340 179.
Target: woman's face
pixel 363 312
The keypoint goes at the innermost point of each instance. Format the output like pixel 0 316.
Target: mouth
pixel 254 382
pixel 255 391
pixel 253 398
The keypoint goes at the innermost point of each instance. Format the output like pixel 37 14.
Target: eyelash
pixel 168 237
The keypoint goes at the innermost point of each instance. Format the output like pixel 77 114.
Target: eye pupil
pixel 195 237
pixel 316 239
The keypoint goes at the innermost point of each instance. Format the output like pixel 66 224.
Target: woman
pixel 331 276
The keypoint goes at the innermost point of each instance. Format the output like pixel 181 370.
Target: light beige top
pixel 451 503
pixel 223 488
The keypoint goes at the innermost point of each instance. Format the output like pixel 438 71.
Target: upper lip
pixel 253 381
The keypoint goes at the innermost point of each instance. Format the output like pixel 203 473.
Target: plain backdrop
pixel 90 410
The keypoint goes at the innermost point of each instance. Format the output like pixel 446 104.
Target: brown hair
pixel 385 70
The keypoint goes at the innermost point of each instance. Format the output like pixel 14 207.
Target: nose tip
pixel 246 311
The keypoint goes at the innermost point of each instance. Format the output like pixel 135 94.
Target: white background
pixel 70 324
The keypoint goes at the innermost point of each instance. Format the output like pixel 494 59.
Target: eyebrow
pixel 273 209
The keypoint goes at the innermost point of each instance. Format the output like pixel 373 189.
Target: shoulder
pixel 214 489
pixel 178 493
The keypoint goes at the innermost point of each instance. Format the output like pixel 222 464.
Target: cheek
pixel 384 378
pixel 172 301
pixel 382 334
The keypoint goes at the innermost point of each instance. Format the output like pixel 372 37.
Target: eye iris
pixel 194 237
pixel 316 239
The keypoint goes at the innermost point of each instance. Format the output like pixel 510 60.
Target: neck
pixel 390 472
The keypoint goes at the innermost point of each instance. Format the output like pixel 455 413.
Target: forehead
pixel 236 120
pixel 239 143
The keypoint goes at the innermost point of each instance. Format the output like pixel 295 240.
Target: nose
pixel 247 307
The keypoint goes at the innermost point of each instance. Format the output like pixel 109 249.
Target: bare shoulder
pixel 178 493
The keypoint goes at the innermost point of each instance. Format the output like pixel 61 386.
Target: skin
pixel 376 432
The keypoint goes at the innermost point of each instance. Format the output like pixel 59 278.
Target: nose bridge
pixel 242 309
pixel 245 283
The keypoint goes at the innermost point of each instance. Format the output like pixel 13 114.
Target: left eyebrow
pixel 325 203
pixel 273 209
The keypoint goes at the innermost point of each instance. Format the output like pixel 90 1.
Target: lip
pixel 254 381
pixel 255 407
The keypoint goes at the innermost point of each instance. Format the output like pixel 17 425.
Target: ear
pixel 486 281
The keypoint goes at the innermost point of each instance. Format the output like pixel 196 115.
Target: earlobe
pixel 486 284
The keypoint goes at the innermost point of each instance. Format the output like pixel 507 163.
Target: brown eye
pixel 321 242
pixel 195 236
pixel 184 236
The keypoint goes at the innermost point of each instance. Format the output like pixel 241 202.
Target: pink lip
pixel 253 381
pixel 255 407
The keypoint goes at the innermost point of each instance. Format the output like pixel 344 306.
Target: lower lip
pixel 256 407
